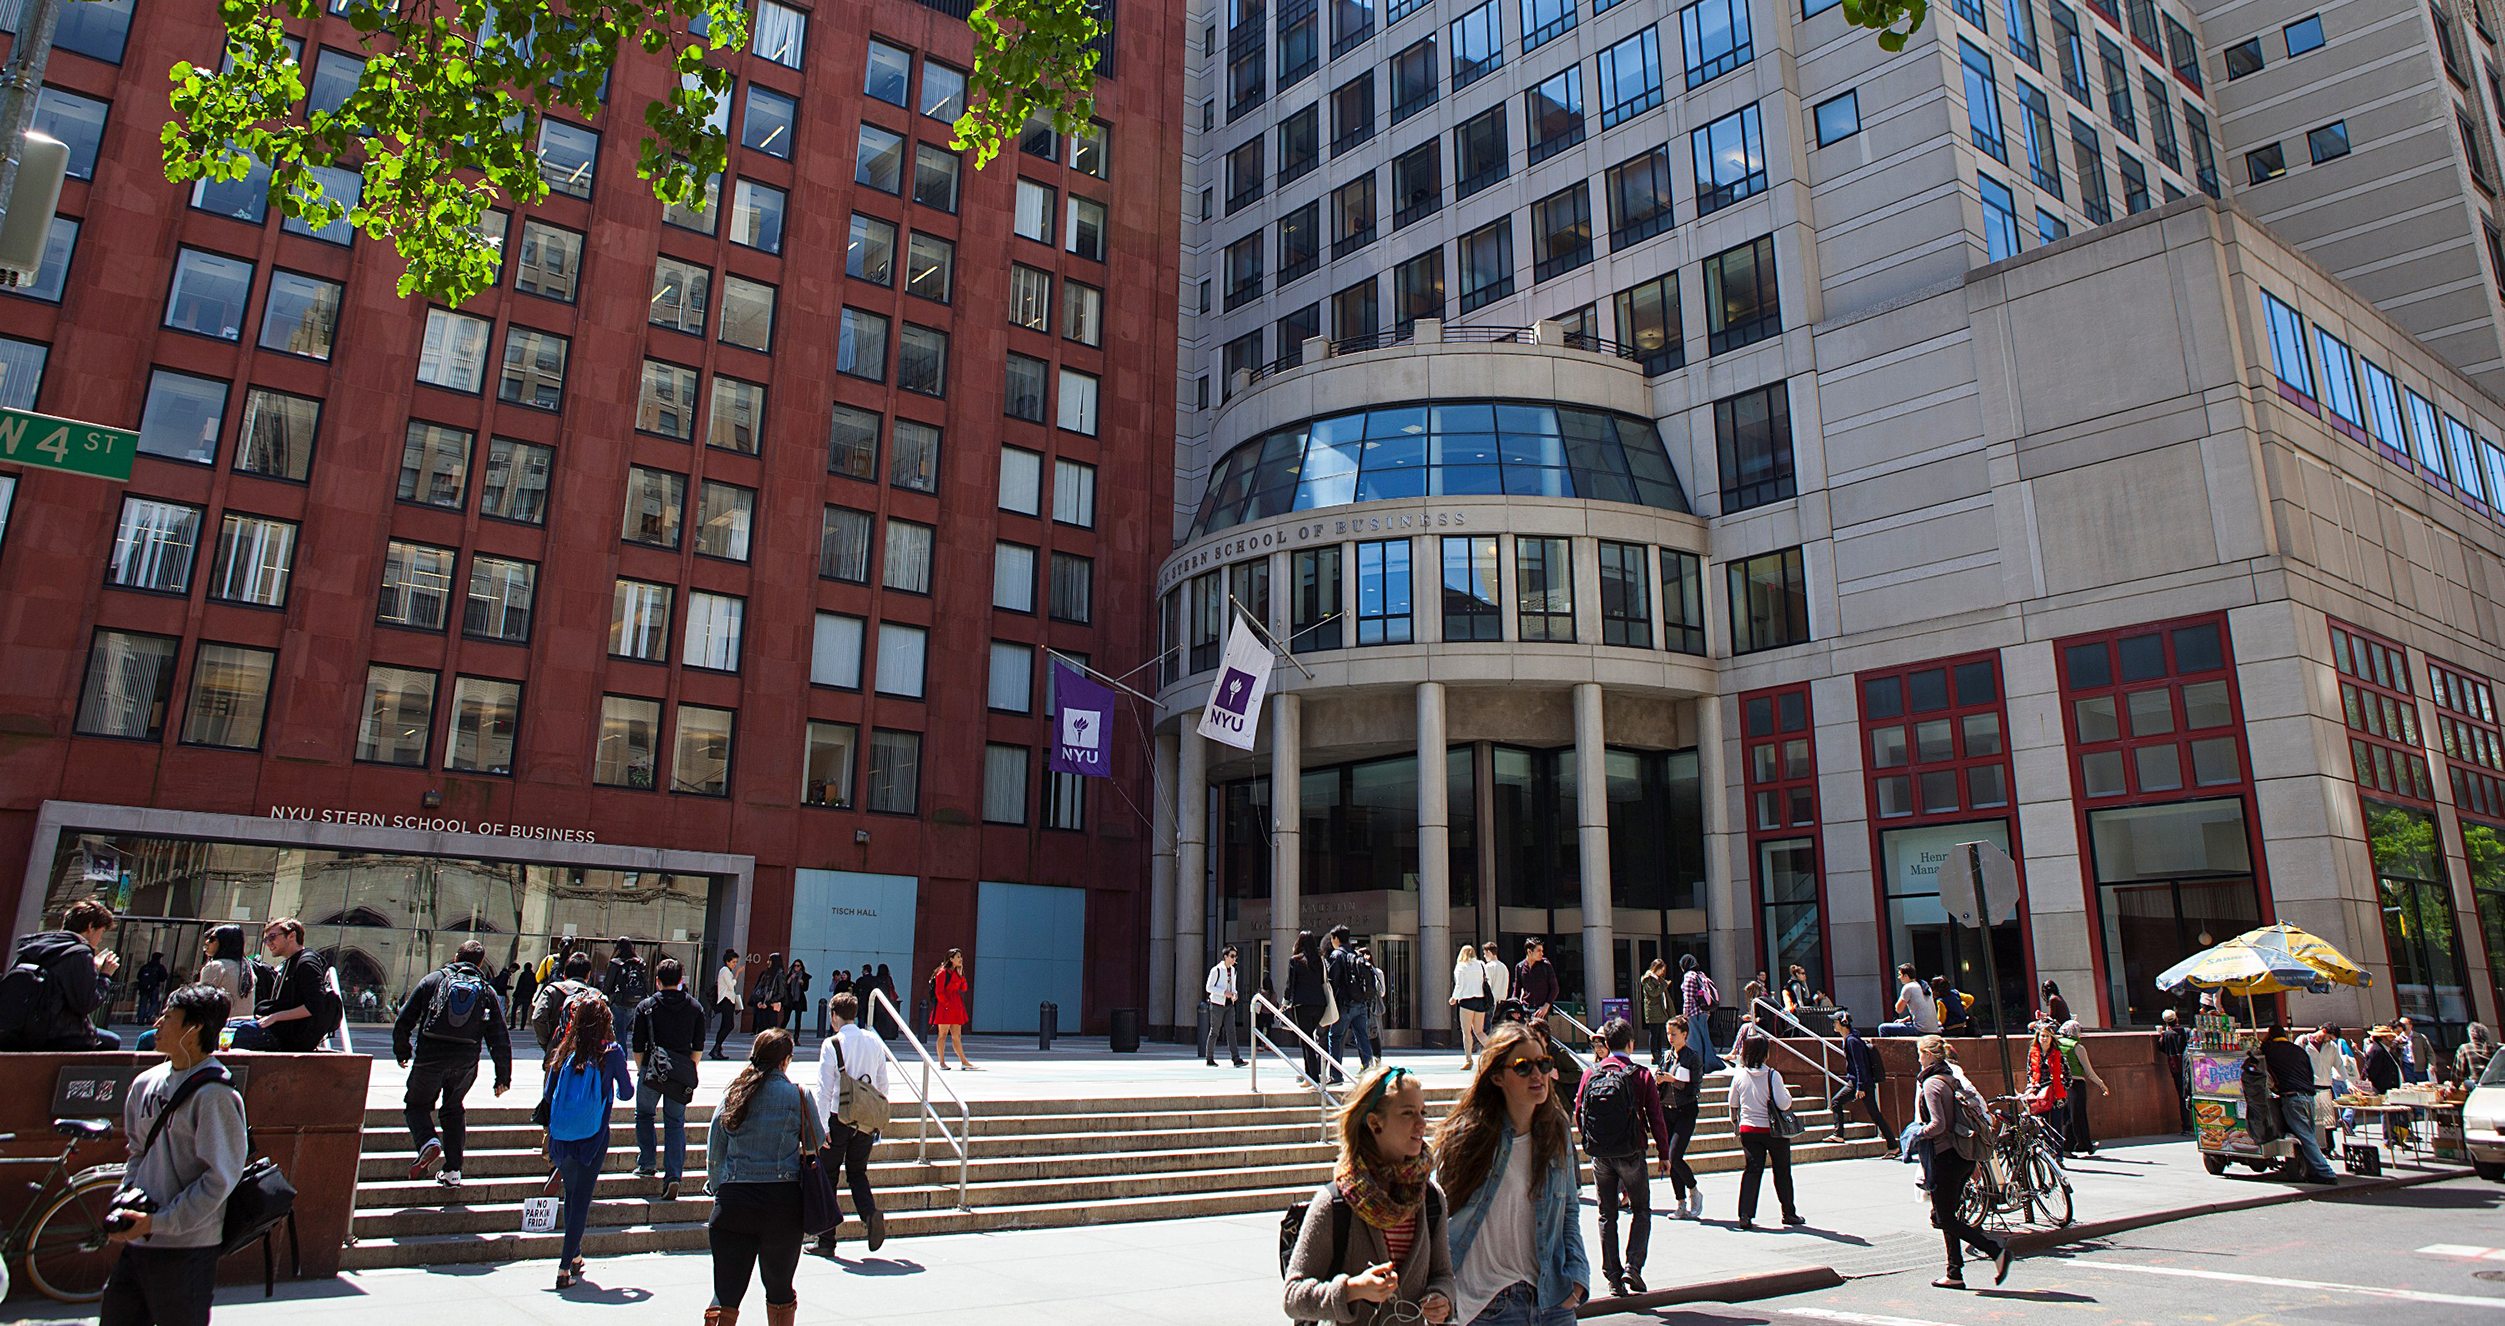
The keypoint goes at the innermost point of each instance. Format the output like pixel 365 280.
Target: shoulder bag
pixel 858 1105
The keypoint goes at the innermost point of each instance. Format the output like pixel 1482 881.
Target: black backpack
pixel 627 981
pixel 30 1003
pixel 1292 1222
pixel 1608 1112
pixel 461 1006
pixel 261 1199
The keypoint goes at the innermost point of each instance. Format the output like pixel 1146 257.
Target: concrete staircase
pixel 1033 1164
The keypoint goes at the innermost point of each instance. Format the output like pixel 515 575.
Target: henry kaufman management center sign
pixel 1235 698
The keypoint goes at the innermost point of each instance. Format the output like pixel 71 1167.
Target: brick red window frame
pixel 2386 740
pixel 1778 752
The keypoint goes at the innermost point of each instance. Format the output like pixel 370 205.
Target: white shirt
pixel 1914 999
pixel 864 1057
pixel 726 986
pixel 1469 979
pixel 1221 985
pixel 1505 1252
pixel 1499 984
pixel 1754 1093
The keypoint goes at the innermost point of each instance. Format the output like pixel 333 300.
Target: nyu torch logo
pixel 1234 694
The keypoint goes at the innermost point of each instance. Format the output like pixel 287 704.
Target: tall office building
pixel 1706 470
pixel 693 584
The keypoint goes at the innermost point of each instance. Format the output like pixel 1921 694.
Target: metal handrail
pixel 1823 1043
pixel 930 1110
pixel 1279 1017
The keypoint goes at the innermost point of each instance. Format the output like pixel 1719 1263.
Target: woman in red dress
pixel 948 1007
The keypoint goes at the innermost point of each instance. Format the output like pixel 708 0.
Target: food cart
pixel 2213 1065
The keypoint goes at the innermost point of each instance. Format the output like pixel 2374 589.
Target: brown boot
pixel 721 1317
pixel 782 1314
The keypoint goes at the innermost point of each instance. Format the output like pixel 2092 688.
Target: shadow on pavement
pixel 586 1292
pixel 2427 1198
pixel 880 1266
pixel 2036 1295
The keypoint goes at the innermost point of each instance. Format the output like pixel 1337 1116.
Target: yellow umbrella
pixel 2270 960
pixel 2314 952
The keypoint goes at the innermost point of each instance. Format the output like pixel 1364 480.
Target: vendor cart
pixel 2214 1066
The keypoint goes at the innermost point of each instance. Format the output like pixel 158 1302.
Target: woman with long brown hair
pixel 752 1168
pixel 1381 1211
pixel 586 1070
pixel 948 1015
pixel 1505 1159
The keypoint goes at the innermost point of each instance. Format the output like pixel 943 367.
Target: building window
pixel 1004 784
pixel 2135 199
pixel 1486 264
pixel 416 587
pixel 1091 146
pixel 1838 118
pixel 1210 613
pixel 913 458
pixel 2118 105
pixel 2265 163
pixel 1356 311
pixel 1383 616
pixel 78 122
pixel 2328 143
pixel 2019 20
pixel 701 761
pixel 1065 800
pixel 766 126
pixel 1630 76
pixel 1083 305
pixel 1983 102
pixel 1013 577
pixel 895 771
pixel 567 156
pixel 2244 58
pixel 2087 154
pixel 861 345
pixel 130 679
pixel 826 780
pixel 2043 154
pixel 2184 52
pixel 1553 111
pixel 1682 602
pixel 2000 218
pixel 300 315
pixel 666 402
pixel 1315 617
pixel 1012 685
pixel 1742 303
pixel 630 735
pixel 922 360
pixel 1753 436
pixel 1418 289
pixel 254 558
pixel 907 564
pixel 639 621
pixel 1417 184
pixel 499 603
pixel 515 484
pixel 1034 214
pixel 757 216
pixel 1021 480
pixel 1415 84
pixel 2049 227
pixel 399 716
pixel 1730 160
pixel 209 294
pixel 902 651
pixel 1544 21
pixel 935 174
pixel 748 306
pixel 1471 578
pixel 879 162
pixel 656 501
pixel 1073 588
pixel 1544 589
pixel 1077 404
pixel 1769 601
pixel 2205 164
pixel 2466 723
pixel 1561 233
pixel 1085 228
pixel 835 651
pixel 1782 787
pixel 2071 49
pixel 181 418
pixel 2161 132
pixel 723 514
pixel 2339 382
pixel 1352 21
pixel 737 417
pixel 1352 113
pixel 154 545
pixel 534 368
pixel 869 255
pixel 1625 595
pixel 2287 347
pixel 1639 198
pixel 1478 44
pixel 713 631
pixel 1481 155
pixel 276 440
pixel 844 545
pixel 1648 320
pixel 2304 36
pixel 485 713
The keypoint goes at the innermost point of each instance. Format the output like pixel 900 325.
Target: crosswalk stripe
pixel 2371 1291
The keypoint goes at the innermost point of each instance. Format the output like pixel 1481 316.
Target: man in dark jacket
pixel 77 970
pixel 1352 986
pixel 1861 1082
pixel 299 1011
pixel 2173 1041
pixel 672 1021
pixel 1535 981
pixel 626 981
pixel 1617 1151
pixel 149 985
pixel 440 1027
pixel 2292 1086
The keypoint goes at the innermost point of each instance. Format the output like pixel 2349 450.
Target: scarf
pixel 1384 1195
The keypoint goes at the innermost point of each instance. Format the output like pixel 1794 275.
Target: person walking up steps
pixel 726 1000
pixel 1308 991
pixel 1618 1108
pixel 436 1037
pixel 1757 1092
pixel 1686 1077
pixel 1504 1157
pixel 666 1036
pixel 585 1070
pixel 1218 1010
pixel 752 1168
pixel 1374 1247
pixel 1697 997
pixel 1535 980
pixel 948 1013
pixel 853 1052
pixel 626 981
pixel 1653 1007
pixel 1950 1124
pixel 1862 1074
pixel 550 1006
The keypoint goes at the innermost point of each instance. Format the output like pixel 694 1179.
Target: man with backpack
pixel 627 982
pixel 57 981
pixel 1352 986
pixel 1697 997
pixel 302 1009
pixel 188 1145
pixel 548 1012
pixel 667 1035
pixel 440 1026
pixel 1618 1107
pixel 1863 1072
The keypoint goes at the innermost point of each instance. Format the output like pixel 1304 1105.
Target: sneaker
pixel 1949 1282
pixel 645 1171
pixel 669 1191
pixel 428 1157
pixel 1617 1284
pixel 450 1178
pixel 1635 1282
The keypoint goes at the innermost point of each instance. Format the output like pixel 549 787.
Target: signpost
pixel 1979 889
pixel 67 445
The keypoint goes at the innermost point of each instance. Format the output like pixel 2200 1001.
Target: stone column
pixel 1287 817
pixel 1163 990
pixel 1434 980
pixel 1591 803
pixel 1191 871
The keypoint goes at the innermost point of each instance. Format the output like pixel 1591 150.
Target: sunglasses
pixel 1529 1068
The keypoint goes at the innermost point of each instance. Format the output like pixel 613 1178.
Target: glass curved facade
pixel 1441 449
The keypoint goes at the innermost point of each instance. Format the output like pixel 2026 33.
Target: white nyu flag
pixel 1235 698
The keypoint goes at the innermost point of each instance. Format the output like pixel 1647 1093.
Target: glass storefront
pixel 385 919
pixel 2483 845
pixel 2418 926
pixel 2171 880
pixel 1920 931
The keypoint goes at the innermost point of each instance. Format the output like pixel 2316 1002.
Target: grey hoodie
pixel 192 1168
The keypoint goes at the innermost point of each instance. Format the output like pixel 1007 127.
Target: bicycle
pixel 2022 1181
pixel 61 1240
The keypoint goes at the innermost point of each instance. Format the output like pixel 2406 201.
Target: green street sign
pixel 67 444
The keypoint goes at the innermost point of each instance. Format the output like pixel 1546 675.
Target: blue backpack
pixel 578 1102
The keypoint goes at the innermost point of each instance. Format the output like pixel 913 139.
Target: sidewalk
pixel 1866 1219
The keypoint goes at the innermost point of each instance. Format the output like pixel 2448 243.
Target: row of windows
pixel 2367 403
pixel 2044 150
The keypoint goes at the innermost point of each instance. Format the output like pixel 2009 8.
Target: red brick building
pixel 692 584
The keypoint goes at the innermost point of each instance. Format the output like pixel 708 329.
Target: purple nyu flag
pixel 1082 710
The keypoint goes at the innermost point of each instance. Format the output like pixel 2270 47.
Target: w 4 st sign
pixel 68 445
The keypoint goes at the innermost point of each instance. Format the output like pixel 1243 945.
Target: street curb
pixel 1737 1289
pixel 1804 1279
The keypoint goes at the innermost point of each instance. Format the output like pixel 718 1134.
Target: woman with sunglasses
pixel 1382 1213
pixel 1506 1161
pixel 1756 1093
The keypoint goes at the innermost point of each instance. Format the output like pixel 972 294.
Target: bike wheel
pixel 2052 1192
pixel 67 1256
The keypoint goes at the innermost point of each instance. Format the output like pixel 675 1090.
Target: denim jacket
pixel 1555 1209
pixel 766 1147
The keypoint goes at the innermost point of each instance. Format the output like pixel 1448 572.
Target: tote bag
pixel 820 1209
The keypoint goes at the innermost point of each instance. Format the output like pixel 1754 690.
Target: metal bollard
pixel 1047 1024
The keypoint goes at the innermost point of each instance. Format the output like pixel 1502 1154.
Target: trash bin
pixel 1047 1024
pixel 1125 1031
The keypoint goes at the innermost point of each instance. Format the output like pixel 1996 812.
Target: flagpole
pixel 1252 620
pixel 1109 681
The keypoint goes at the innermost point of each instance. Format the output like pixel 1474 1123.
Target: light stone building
pixel 2015 491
